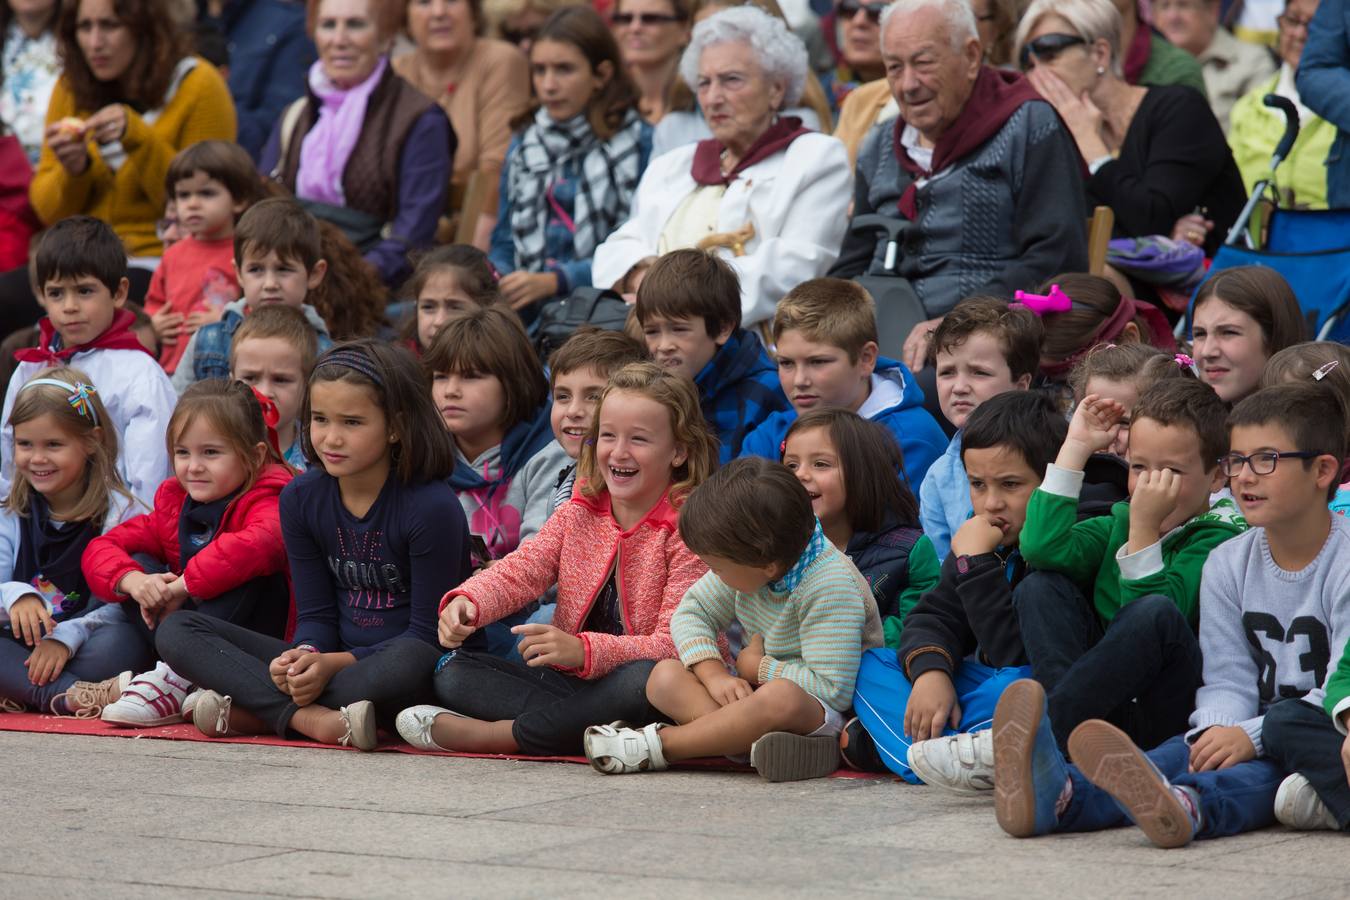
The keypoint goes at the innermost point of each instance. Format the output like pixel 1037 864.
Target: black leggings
pixel 215 654
pixel 260 605
pixel 551 710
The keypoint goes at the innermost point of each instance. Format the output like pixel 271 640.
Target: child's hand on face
pixel 453 628
pixel 307 677
pixel 975 536
pixel 1220 747
pixel 932 706
pixel 544 645
pixel 1154 498
pixel 46 662
pixel 748 660
pixel 1093 428
pixel 278 668
pixel 28 618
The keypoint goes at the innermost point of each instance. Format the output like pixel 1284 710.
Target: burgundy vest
pixel 370 182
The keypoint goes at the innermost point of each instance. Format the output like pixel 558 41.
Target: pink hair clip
pixel 1054 302
pixel 1182 359
pixel 1325 370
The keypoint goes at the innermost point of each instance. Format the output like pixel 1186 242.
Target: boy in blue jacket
pixel 825 332
pixel 689 307
pixel 982 348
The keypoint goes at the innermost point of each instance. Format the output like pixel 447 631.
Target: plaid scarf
pixel 607 177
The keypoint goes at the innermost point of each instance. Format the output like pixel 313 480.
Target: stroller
pixel 1310 249
pixel 898 307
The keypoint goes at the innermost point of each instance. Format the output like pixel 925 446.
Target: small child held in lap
pixel 1109 618
pixel 849 468
pixel 924 703
pixel 212 541
pixel 809 614
pixel 620 566
pixel 1274 614
pixel 66 491
pixel 980 349
pixel 274 353
pixel 374 537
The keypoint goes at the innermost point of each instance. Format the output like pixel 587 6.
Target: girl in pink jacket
pixel 616 556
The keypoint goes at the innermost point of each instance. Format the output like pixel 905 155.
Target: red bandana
pixel 707 168
pixel 117 336
pixel 996 96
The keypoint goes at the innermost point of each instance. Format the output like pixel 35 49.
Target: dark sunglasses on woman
pixel 626 19
pixel 1046 47
pixel 850 8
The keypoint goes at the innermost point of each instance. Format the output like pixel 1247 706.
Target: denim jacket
pixel 211 358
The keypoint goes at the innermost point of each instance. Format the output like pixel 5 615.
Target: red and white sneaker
pixel 155 698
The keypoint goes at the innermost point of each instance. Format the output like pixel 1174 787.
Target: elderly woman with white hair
pixel 765 193
pixel 1155 155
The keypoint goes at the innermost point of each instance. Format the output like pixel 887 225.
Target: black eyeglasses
pixel 627 19
pixel 850 8
pixel 1287 21
pixel 1262 463
pixel 1046 47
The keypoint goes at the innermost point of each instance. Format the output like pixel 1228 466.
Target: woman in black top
pixel 1153 155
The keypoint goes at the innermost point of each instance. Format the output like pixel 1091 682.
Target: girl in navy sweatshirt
pixel 375 538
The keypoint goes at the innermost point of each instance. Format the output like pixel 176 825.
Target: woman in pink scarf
pixel 363 148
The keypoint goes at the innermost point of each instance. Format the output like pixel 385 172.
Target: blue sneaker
pixel 1029 770
pixel 1107 757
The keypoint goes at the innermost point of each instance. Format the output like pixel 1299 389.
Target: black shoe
pixel 858 749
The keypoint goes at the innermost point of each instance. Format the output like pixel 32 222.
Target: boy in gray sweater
pixel 1274 615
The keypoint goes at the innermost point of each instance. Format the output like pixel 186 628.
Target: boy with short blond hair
pixel 825 332
pixel 274 351
pixel 278 258
pixel 80 270
pixel 689 306
pixel 981 348
pixel 1274 615
pixel 810 615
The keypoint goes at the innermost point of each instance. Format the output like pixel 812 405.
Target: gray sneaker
pixel 1298 806
pixel 784 756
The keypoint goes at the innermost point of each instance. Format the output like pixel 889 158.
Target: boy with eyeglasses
pixel 1274 614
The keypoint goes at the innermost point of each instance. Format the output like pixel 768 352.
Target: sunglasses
pixel 850 8
pixel 1046 47
pixel 625 19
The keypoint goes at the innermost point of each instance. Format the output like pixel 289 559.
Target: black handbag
pixel 603 309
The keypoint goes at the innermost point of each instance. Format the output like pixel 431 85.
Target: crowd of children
pixel 1125 601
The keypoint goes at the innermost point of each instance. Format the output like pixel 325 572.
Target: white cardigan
pixel 798 200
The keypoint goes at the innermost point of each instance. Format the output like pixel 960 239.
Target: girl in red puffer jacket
pixel 212 542
pixel 620 566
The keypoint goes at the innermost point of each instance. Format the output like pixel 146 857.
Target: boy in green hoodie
pixel 1109 617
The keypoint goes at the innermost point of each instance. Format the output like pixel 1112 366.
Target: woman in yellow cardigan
pixel 129 98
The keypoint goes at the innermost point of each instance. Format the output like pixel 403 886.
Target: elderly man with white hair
pixel 985 180
pixel 768 195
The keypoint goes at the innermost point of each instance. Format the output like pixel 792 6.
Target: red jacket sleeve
pixel 606 652
pixel 108 556
pixel 235 557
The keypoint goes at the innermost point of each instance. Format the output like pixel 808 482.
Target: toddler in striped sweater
pixel 808 612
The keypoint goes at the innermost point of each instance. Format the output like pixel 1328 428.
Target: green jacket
pixel 1253 131
pixel 1091 552
pixel 1169 64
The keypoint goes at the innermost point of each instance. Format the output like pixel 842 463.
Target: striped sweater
pixel 816 623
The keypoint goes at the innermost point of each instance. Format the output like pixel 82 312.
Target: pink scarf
pixel 329 144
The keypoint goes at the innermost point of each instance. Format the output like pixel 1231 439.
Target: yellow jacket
pixel 1254 131
pixel 131 198
pixel 862 109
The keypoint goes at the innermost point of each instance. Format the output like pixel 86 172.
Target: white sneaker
pixel 155 698
pixel 414 725
pixel 1298 806
pixel 962 763
pixel 616 749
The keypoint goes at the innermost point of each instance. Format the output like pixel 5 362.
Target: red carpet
pixel 98 728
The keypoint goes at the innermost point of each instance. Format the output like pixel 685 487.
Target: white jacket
pixel 797 199
pixel 71 632
pixel 139 400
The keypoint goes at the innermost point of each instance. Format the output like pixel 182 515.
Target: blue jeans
pixel 881 694
pixel 1140 672
pixel 1233 800
pixel 1302 738
pixel 110 649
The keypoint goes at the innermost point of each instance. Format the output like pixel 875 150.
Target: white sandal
pixel 414 725
pixel 616 749
pixel 359 718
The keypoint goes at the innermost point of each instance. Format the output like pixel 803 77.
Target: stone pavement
pixel 120 818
